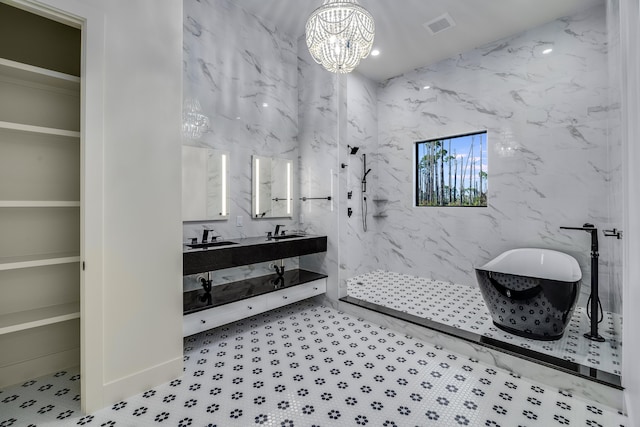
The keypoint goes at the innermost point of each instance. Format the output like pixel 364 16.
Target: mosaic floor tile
pixel 309 365
pixel 462 307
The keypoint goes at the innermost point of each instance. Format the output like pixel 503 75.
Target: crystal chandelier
pixel 339 34
pixel 194 123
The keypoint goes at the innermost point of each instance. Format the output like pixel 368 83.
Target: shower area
pixel 549 101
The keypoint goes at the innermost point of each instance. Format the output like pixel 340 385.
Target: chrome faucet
pixel 277 231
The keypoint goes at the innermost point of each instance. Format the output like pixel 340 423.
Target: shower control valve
pixel 613 233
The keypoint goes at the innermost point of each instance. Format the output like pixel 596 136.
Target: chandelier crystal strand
pixel 194 123
pixel 339 34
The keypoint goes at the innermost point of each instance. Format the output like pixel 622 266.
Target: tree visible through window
pixel 452 171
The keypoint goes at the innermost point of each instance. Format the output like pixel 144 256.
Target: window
pixel 452 171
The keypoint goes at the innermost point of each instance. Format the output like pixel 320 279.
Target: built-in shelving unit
pixel 38 204
pixel 23 320
pixel 38 129
pixel 39 217
pixel 37 75
pixel 29 261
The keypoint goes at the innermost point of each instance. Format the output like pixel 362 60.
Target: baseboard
pixel 30 369
pixel 122 388
pixel 631 410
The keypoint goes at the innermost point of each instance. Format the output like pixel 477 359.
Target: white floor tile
pixel 463 307
pixel 308 365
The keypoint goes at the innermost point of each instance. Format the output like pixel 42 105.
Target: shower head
pixel 353 150
pixel 366 173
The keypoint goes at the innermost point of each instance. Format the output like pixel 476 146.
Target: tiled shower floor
pixel 463 307
pixel 309 365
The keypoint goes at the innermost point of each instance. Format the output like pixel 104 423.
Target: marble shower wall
pixel 362 131
pixel 553 110
pixel 614 246
pixel 244 73
pixel 320 99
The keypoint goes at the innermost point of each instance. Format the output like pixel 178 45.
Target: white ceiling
pixel 402 39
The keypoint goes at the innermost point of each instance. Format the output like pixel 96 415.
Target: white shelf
pixel 38 204
pixel 39 129
pixel 29 319
pixel 33 74
pixel 14 263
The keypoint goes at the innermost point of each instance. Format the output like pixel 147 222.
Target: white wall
pixel 131 290
pixel 142 195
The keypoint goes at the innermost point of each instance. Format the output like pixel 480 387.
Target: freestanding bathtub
pixel 531 292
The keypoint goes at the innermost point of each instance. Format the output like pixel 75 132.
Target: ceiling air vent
pixel 439 24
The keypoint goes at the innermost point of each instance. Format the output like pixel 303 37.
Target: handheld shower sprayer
pixel 365 173
pixel 364 190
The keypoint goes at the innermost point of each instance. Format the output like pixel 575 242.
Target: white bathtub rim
pixel 538 263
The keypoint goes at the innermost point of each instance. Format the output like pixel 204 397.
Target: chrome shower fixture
pixel 352 150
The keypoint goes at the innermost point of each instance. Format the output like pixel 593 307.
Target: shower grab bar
pixel 304 199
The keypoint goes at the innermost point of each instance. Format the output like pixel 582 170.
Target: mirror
pixel 272 194
pixel 205 184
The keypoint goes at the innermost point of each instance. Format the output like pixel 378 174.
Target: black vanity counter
pixel 247 251
pixel 196 300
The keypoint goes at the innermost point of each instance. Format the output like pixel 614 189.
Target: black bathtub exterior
pixel 527 306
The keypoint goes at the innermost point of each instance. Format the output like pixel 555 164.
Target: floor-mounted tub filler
pixel 531 292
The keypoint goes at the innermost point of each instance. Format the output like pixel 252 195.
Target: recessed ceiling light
pixel 427 87
pixel 547 51
pixel 265 105
pixel 375 52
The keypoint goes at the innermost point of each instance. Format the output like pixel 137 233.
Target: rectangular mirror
pixel 272 188
pixel 205 184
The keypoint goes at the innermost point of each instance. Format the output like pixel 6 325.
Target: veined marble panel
pixel 318 105
pixel 554 111
pixel 244 72
pixel 362 132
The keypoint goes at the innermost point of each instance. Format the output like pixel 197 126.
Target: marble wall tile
pixel 244 73
pixel 359 255
pixel 616 199
pixel 555 110
pixel 319 100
